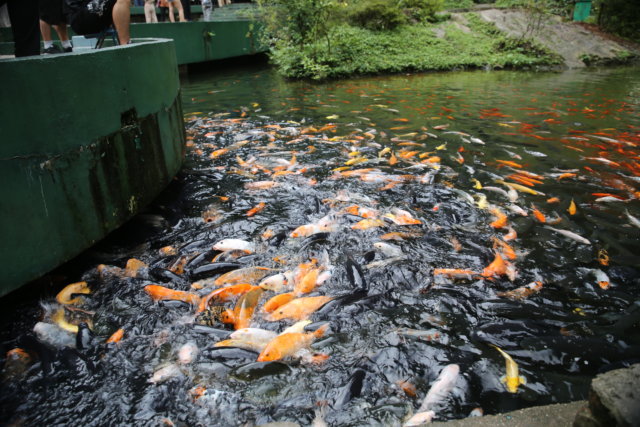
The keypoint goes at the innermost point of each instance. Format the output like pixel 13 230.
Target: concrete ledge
pixel 548 415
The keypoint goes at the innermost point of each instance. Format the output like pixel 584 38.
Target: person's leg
pixel 61 29
pixel 150 12
pixel 186 6
pixel 180 10
pixel 171 17
pixel 121 15
pixel 25 25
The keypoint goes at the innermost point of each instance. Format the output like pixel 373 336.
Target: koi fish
pixel 235 244
pixel 245 307
pixel 115 337
pixel 277 301
pixel 249 275
pixel 572 208
pixel 224 294
pixel 501 218
pixel 307 283
pixel 522 292
pixel 287 344
pixel 633 220
pixel 520 188
pixel 299 308
pixel 506 250
pixel 133 267
pixel 278 282
pixel 401 217
pixel 570 235
pixel 324 225
pixel 511 380
pixel 256 209
pixel 538 215
pixel 361 211
pixel 455 273
pixel 160 293
pixel 498 267
pixel 188 353
pixel 401 235
pixel 166 373
pixel 64 296
pixel 436 394
pixel 388 250
pixel 260 185
pixel 366 224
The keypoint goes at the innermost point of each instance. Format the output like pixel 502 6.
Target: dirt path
pixel 573 41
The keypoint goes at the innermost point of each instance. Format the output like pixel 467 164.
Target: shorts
pixel 93 17
pixel 51 12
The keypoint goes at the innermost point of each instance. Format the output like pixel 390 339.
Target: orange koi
pixel 501 218
pixel 258 208
pixel 277 301
pixel 506 250
pixel 539 215
pixel 299 308
pixel 510 163
pixel 116 336
pixel 168 251
pixel 401 120
pixel 133 266
pixel 224 294
pixel 498 267
pixel 572 208
pixel 362 212
pixel 400 235
pixel 160 293
pixel 566 175
pixel 607 195
pixel 286 344
pixel 218 153
pixel 603 257
pixel 433 159
pixel 553 200
pixel 408 388
pixel 245 307
pixel 365 224
pixel 307 283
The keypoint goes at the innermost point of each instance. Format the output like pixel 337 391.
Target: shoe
pixel 67 49
pixel 51 50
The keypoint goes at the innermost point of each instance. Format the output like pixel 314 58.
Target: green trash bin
pixel 582 10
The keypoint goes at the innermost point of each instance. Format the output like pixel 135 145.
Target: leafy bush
pixel 621 17
pixel 421 10
pixel 376 15
pixel 458 4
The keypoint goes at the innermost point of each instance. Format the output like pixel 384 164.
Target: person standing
pixel 177 5
pixel 51 16
pixel 150 16
pixel 186 6
pixel 207 10
pixel 24 25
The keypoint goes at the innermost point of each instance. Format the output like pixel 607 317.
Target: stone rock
pixel 614 399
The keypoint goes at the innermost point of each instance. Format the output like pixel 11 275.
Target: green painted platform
pixel 88 139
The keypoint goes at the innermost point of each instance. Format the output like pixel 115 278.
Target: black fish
pixel 84 337
pixel 214 268
pixel 46 354
pixel 355 275
pixel 166 276
pixel 352 389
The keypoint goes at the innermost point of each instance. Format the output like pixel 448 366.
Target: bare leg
pixel 220 3
pixel 171 17
pixel 62 32
pixel 150 12
pixel 121 18
pixel 180 10
pixel 45 30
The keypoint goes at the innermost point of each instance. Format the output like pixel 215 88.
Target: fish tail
pixel 319 333
pixel 522 380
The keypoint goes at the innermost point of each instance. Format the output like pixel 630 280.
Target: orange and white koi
pixel 522 292
pixel 249 275
pixel 437 393
pixel 224 294
pixel 455 273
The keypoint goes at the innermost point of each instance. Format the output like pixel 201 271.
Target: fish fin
pixel 503 379
pixel 319 358
pixel 522 380
pixel 319 333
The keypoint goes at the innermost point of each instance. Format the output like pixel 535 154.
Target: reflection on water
pixel 446 214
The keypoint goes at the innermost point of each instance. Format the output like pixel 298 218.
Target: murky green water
pixel 438 146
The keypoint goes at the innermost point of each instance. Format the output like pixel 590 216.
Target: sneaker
pixel 51 50
pixel 67 49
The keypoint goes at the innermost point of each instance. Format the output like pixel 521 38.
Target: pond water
pixel 427 200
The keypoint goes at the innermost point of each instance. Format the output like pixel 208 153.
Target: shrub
pixel 376 15
pixel 421 10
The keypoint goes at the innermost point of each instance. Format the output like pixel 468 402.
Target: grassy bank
pixel 466 42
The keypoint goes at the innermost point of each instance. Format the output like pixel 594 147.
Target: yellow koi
pixel 511 380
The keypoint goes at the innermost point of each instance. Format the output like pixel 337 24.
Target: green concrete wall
pixel 82 149
pixel 205 41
